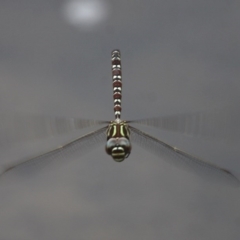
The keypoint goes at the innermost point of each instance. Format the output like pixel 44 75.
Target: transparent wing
pixel 17 127
pixel 182 159
pixel 63 153
pixel 217 124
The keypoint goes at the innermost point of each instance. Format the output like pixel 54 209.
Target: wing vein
pixel 183 160
pixel 82 144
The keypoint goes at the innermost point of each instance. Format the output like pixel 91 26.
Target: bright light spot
pixel 85 13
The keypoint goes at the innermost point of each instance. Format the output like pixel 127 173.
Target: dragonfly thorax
pixel 118 144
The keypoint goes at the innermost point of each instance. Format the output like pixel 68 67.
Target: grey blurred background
pixel 177 57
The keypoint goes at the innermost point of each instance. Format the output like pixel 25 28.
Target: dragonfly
pixel 120 134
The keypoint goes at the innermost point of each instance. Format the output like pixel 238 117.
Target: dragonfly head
pixel 118 148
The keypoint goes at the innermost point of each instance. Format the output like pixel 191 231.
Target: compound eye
pixel 124 142
pixel 110 144
pixel 126 145
pixel 118 148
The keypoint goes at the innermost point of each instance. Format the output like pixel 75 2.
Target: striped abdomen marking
pixel 117 82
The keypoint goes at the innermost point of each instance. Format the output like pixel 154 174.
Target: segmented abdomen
pixel 117 82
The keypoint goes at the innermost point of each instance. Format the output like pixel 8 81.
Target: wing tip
pixel 4 169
